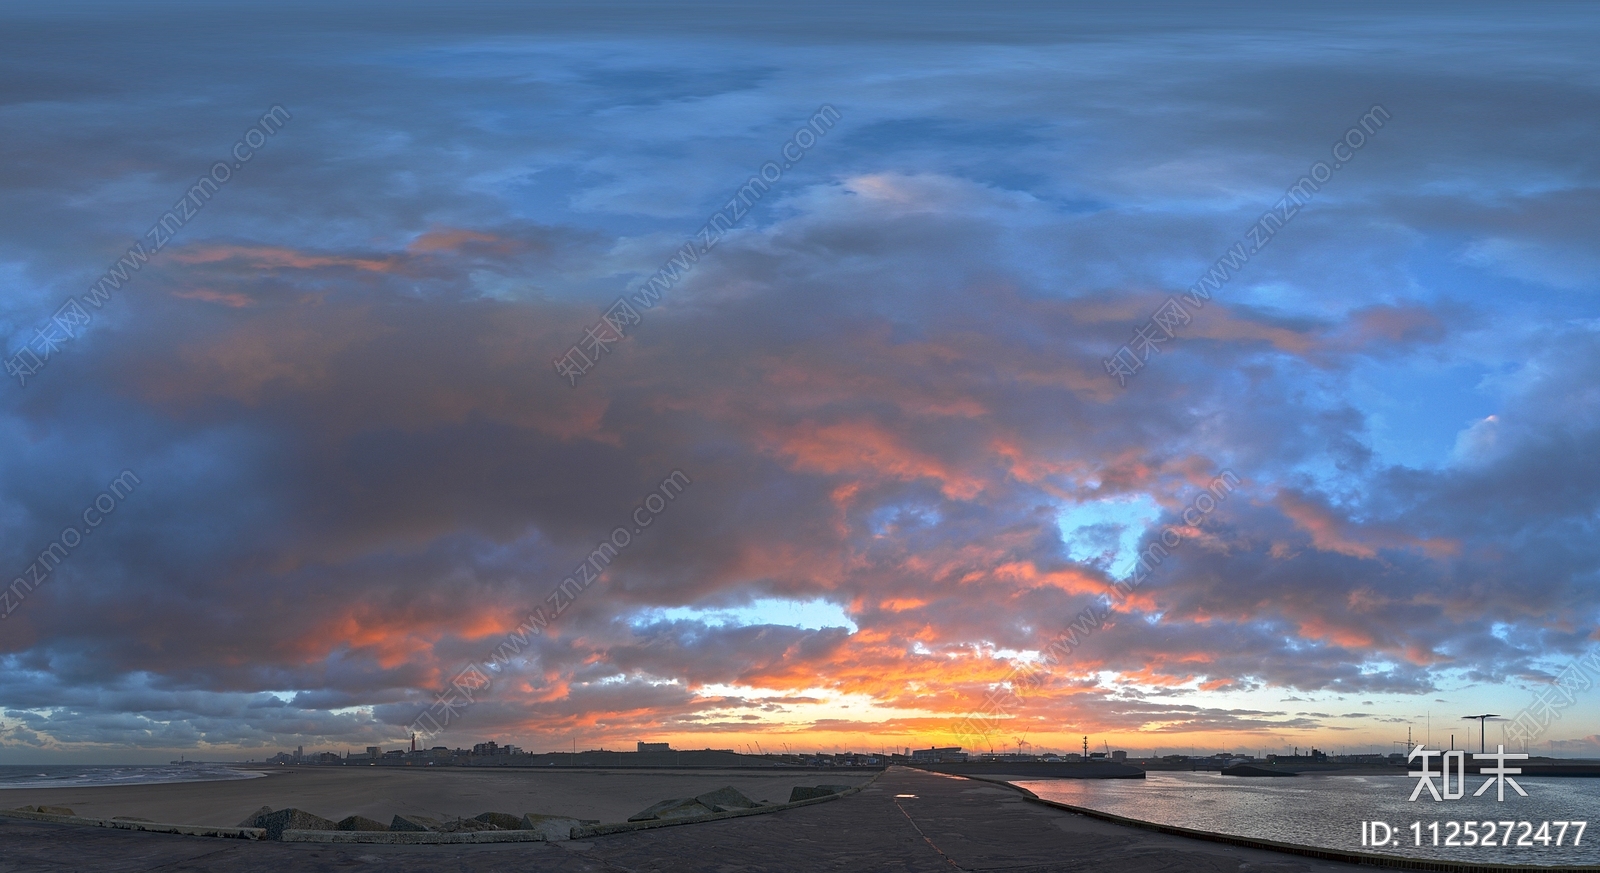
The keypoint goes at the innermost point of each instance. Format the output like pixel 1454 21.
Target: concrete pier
pixel 1039 769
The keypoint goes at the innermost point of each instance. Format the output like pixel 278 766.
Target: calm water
pixel 1328 810
pixel 63 776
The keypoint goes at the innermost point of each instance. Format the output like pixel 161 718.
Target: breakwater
pixel 1039 769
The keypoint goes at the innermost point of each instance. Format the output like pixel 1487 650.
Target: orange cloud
pixel 276 257
pixel 452 239
pixel 226 298
pixel 1332 533
pixel 1025 574
pixel 1224 325
pixel 1393 324
pixel 866 448
pixel 1318 628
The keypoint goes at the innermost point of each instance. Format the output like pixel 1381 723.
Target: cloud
pixel 886 382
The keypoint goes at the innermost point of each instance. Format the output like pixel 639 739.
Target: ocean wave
pixel 70 776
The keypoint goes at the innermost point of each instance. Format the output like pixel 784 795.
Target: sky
pixel 864 457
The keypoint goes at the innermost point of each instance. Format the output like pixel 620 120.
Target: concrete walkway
pixel 948 824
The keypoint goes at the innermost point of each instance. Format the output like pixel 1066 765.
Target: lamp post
pixel 1483 721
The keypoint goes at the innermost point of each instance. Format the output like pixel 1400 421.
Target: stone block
pixel 675 808
pixel 502 820
pixel 725 799
pixel 251 819
pixel 554 828
pixel 47 810
pixel 466 825
pixel 290 818
pixel 360 823
pixel 800 792
pixel 414 823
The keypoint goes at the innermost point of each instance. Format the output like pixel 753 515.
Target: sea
pixel 1328 811
pixel 66 776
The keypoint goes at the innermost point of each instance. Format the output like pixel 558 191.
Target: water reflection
pixel 1327 810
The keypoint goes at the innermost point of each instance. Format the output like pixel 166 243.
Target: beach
pixel 907 820
pixel 607 795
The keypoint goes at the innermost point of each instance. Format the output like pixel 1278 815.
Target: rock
pixel 360 823
pixel 554 828
pixel 251 819
pixel 466 825
pixel 414 823
pixel 800 792
pixel 675 808
pixel 292 819
pixel 47 810
pixel 725 799
pixel 503 820
pixel 129 818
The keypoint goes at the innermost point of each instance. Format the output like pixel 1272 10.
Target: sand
pixel 382 792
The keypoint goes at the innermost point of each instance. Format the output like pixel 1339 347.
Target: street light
pixel 1483 720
